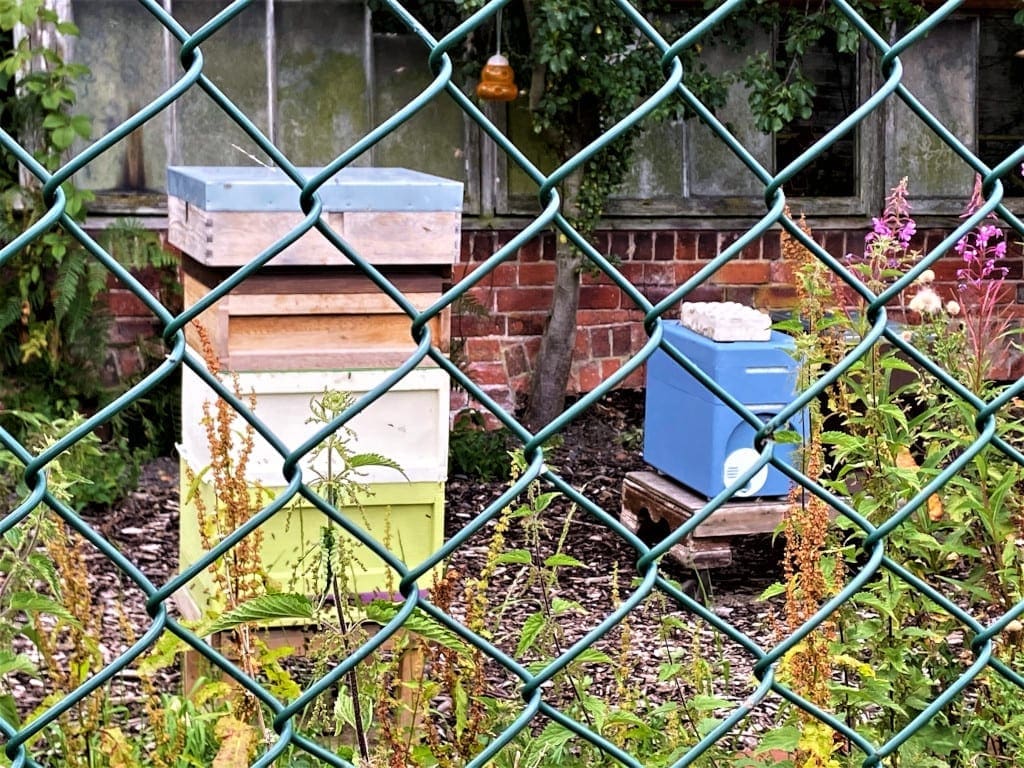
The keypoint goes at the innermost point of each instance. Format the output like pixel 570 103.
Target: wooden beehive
pixel 309 321
pixel 310 308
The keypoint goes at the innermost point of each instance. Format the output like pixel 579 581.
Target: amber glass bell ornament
pixel 497 80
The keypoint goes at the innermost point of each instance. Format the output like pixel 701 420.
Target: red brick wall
pixel 496 347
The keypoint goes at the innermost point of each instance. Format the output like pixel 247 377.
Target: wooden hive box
pixel 408 424
pixel 309 307
pixel 310 321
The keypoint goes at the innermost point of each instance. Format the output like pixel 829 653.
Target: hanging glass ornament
pixel 497 80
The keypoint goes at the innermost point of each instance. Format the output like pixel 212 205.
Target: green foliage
pixel 54 325
pixel 892 429
pixel 475 451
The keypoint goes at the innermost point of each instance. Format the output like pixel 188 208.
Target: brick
pixel 527 324
pixel 621 245
pixel 588 317
pixel 516 361
pixel 473 325
pixel 643 246
pixel 659 273
pixel 536 274
pixel 771 249
pixel 600 297
pixel 835 244
pixel 483 350
pixel 707 246
pixel 483 246
pixel 548 247
pixel 743 273
pixel 588 376
pixel 664 246
pixel 522 299
pixel 782 272
pixel 686 246
pixel 657 293
pixel 488 373
pixel 1013 269
pixel 581 344
pixel 705 292
pixel 503 276
pixel 124 303
pixel 609 366
pixel 684 272
pixel 634 271
pixel 129 330
pixel 461 269
pixel 600 342
pixel 636 380
pixel 602 242
pixel 622 339
pixel 741 295
pixel 531 252
pixel 504 236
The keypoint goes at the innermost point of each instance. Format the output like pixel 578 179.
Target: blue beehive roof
pixel 252 188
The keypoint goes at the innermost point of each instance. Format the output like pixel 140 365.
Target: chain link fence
pixel 982 635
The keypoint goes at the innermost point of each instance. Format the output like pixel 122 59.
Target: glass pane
pixel 434 140
pixel 117 37
pixel 1001 108
pixel 235 60
pixel 321 80
pixel 712 168
pixel 940 71
pixel 833 173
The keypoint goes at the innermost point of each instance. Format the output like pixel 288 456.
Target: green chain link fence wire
pixel 650 579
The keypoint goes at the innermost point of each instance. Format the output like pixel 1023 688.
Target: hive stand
pixel 653 506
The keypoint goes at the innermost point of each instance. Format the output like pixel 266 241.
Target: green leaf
pixel 543 500
pixel 283 605
pixel 419 623
pixel 62 138
pixel 515 556
pixel 30 602
pixel 785 738
pixel 773 590
pixel 532 628
pixel 560 559
pixel 16 662
pixel 592 656
pixel 9 711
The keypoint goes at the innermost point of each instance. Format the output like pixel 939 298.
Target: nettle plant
pixel 879 435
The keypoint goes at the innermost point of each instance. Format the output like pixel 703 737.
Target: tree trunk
pixel 554 359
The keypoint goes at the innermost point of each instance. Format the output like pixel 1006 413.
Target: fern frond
pixel 68 283
pixel 10 312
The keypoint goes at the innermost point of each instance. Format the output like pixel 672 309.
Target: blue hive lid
pixel 255 188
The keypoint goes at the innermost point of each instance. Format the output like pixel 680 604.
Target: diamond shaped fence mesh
pixel 546 709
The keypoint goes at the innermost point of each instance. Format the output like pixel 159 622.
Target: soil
pixel 599 448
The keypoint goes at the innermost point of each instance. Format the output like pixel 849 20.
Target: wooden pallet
pixel 654 504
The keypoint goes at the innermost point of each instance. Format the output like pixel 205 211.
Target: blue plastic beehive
pixel 694 437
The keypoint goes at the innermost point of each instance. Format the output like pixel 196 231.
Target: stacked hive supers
pixel 309 321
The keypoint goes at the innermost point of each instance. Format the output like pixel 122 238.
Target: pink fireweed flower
pixel 980 281
pixel 887 250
